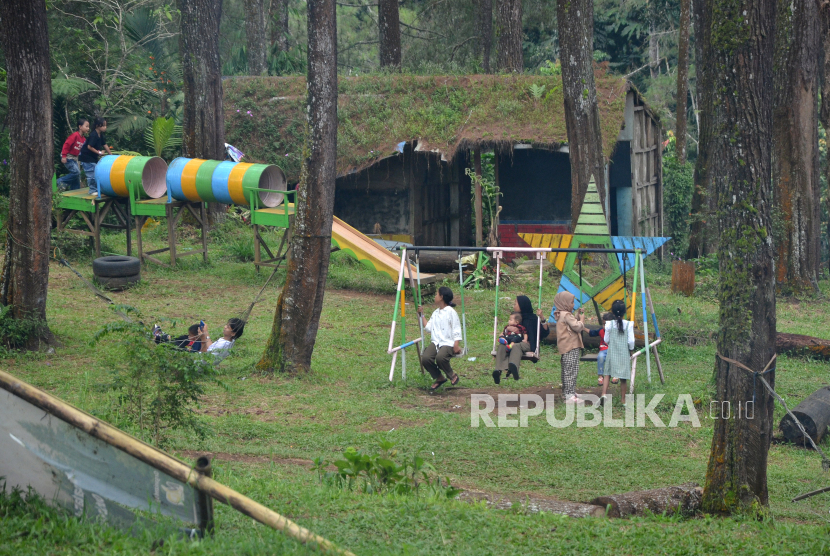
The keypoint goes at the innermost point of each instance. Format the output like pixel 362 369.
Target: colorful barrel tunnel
pixel 190 179
pixel 194 179
pixel 116 173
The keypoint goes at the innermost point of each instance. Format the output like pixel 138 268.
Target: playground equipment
pixel 497 252
pixel 120 179
pixel 258 186
pixel 143 180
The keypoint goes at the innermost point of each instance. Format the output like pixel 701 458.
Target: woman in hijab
pixel 510 361
pixel 568 341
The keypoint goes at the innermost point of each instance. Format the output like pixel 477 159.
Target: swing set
pixel 541 253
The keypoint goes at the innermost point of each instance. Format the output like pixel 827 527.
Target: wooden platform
pixel 93 210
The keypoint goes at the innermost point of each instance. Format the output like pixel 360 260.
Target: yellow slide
pixel 368 252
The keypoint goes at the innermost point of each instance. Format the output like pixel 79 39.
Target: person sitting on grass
pixel 445 329
pixel 221 347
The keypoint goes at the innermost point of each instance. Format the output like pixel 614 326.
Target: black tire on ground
pixel 118 283
pixel 115 266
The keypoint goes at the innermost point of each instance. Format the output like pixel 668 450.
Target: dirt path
pixel 528 502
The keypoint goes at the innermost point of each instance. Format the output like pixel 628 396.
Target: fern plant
pixel 163 134
pixel 537 91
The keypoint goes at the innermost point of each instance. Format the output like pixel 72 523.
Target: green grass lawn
pixel 265 429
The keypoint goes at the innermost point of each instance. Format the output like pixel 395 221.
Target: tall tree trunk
pixel 279 24
pixel 25 274
pixel 256 40
pixel 297 317
pixel 653 51
pixel 795 160
pixel 389 29
pixel 203 121
pixel 576 53
pixel 742 38
pixel 485 30
pixel 702 227
pixel 682 79
pixel 509 33
pixel 824 114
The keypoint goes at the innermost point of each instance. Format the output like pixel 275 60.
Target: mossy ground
pixel 265 116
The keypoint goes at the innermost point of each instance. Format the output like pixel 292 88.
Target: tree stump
pixel 684 499
pixel 683 277
pixel 814 415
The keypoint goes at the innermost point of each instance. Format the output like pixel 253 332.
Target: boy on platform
pixel 94 148
pixel 69 157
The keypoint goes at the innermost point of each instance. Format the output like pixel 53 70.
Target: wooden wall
pixel 646 173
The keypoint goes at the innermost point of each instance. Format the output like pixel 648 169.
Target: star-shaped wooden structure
pixel 592 231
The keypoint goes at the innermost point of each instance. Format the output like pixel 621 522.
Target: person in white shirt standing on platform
pixel 444 327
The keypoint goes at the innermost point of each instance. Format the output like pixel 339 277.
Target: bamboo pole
pixel 163 462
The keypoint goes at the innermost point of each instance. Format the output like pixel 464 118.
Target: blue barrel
pixel 174 178
pixel 219 182
pixel 102 176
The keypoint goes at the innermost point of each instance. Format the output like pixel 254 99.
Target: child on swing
pixel 513 333
pixel 619 335
pixel 444 327
pixel 603 349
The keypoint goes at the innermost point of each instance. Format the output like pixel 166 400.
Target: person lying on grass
pixel 444 327
pixel 233 330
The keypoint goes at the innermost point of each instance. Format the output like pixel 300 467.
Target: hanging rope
pixel 825 462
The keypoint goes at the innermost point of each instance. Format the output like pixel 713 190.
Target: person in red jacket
pixel 69 157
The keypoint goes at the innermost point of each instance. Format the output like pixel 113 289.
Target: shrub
pixel 379 473
pixel 678 186
pixel 157 385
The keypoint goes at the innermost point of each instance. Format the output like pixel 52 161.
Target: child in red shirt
pixel 69 157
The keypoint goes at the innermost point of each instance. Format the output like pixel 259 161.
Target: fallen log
pixel 814 415
pixel 534 504
pixel 439 261
pixel 684 499
pixel 798 344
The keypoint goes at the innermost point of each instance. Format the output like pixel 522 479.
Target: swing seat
pixel 526 356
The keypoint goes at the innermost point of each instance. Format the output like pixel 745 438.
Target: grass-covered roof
pixel 265 116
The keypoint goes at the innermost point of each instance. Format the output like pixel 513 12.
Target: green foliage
pixel 537 91
pixel 70 87
pixel 156 385
pixel 163 135
pixel 550 68
pixel 379 473
pixel 16 332
pixel 375 113
pixel 490 194
pixel 678 186
pixel 242 249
